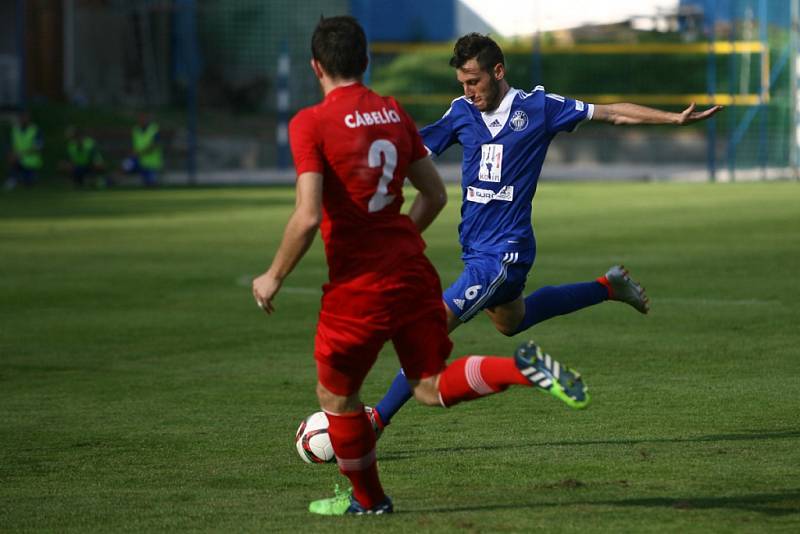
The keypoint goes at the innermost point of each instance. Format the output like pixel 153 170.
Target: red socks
pixel 353 442
pixel 353 438
pixel 471 377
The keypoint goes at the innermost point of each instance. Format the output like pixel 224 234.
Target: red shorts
pixel 359 317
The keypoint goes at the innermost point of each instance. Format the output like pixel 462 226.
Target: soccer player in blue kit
pixel 505 133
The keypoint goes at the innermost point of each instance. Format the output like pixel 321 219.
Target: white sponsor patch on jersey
pixel 459 303
pixel 484 196
pixel 491 169
pixel 579 105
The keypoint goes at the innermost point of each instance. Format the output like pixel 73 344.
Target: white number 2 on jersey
pixel 382 198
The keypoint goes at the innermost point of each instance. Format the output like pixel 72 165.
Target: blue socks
pixel 395 398
pixel 549 301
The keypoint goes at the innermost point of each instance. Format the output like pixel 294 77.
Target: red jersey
pixel 362 144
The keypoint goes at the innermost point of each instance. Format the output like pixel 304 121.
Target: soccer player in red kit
pixel 352 152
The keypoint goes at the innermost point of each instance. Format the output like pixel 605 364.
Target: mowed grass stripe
pixel 141 389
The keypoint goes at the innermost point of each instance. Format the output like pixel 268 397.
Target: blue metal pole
pixel 750 115
pixel 711 82
pixel 794 93
pixel 22 83
pixel 191 160
pixel 538 76
pixel 762 136
pixel 731 112
pixel 282 131
pixel 360 9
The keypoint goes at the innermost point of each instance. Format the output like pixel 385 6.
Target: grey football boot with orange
pixel 624 289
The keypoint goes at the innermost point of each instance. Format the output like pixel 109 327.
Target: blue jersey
pixel 503 155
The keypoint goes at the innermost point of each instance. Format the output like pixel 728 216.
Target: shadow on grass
pixel 753 435
pixel 773 504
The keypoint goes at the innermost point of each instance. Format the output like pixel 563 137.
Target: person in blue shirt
pixel 505 133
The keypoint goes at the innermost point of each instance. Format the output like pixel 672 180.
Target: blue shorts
pixel 488 279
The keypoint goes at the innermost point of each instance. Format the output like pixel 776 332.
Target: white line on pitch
pixel 721 302
pixel 302 290
pixel 246 279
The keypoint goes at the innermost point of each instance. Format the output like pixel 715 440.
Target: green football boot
pixel 547 374
pixel 344 503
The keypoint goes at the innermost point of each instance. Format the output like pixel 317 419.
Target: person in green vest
pixel 26 152
pixel 84 160
pixel 147 158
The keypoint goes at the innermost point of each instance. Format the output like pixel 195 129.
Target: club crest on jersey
pixel 519 121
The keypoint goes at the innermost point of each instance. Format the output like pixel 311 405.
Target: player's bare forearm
pixel 424 211
pixel 297 238
pixel 626 113
pixel 432 196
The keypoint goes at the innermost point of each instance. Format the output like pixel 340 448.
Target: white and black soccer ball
pixel 312 440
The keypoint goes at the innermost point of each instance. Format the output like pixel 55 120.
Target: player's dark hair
pixel 479 47
pixel 340 46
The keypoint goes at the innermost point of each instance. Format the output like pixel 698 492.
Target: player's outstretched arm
pixel 625 113
pixel 297 238
pixel 432 196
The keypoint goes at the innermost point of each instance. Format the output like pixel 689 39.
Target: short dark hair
pixel 479 47
pixel 340 46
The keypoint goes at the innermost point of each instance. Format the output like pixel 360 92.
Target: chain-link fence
pixel 234 48
pixel 222 76
pixel 739 53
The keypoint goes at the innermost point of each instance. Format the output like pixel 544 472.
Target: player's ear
pixel 499 72
pixel 315 66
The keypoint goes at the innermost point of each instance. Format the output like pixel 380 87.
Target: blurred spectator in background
pixel 147 158
pixel 84 161
pixel 26 152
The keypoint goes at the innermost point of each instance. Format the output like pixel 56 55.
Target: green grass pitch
pixel 141 389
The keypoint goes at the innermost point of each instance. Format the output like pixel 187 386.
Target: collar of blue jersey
pixel 495 120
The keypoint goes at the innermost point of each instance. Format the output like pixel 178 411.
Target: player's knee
pixel 508 318
pixel 425 391
pixel 427 397
pixel 453 320
pixel 324 396
pixel 331 402
pixel 506 329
